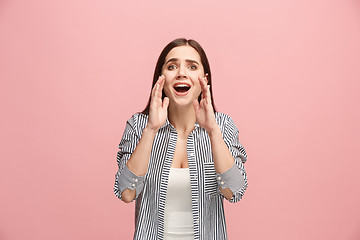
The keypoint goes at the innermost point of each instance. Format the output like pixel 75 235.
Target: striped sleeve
pixel 235 178
pixel 124 178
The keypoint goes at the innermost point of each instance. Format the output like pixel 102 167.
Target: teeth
pixel 181 85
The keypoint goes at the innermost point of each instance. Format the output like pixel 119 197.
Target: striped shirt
pixel 207 199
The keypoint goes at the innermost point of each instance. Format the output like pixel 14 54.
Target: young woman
pixel 180 158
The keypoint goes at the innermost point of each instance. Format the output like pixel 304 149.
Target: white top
pixel 178 208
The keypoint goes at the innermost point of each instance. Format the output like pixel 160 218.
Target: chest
pixel 180 159
pixel 193 151
pixel 173 150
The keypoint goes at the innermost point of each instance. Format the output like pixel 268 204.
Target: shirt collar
pixel 167 123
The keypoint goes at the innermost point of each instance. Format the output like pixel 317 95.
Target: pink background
pixel 72 73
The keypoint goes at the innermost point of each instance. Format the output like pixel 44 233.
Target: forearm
pixel 139 161
pixel 222 157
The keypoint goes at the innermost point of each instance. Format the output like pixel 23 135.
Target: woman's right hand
pixel 158 107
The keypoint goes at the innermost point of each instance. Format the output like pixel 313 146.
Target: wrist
pixel 215 132
pixel 150 130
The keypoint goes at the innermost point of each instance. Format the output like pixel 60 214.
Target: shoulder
pixel 139 117
pixel 138 122
pixel 223 119
pixel 226 124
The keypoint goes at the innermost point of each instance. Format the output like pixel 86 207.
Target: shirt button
pixel 133 185
pixel 136 180
pixel 222 183
pixel 219 178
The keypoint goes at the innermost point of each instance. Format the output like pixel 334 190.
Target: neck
pixel 182 118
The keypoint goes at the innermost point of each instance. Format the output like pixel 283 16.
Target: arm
pixel 223 160
pixel 128 184
pixel 229 158
pixel 134 154
pixel 227 152
pixel 138 164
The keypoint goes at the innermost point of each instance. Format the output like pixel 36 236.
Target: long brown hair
pixel 160 62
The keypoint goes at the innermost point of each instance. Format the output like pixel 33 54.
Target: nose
pixel 181 73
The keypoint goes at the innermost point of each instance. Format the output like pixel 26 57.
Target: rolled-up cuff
pixel 232 179
pixel 128 179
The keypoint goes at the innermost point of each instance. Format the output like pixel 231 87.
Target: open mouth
pixel 181 87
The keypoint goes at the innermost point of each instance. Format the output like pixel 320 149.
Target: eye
pixel 193 67
pixel 171 67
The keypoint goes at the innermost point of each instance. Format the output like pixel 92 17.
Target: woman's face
pixel 181 69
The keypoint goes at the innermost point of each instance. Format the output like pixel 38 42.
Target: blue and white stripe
pixel 207 199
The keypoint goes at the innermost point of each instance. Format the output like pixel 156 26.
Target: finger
pixel 161 82
pixel 161 85
pixel 206 78
pixel 165 103
pixel 153 93
pixel 196 105
pixel 203 87
pixel 204 82
pixel 199 79
pixel 208 96
pixel 206 93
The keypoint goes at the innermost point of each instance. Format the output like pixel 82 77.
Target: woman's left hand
pixel 205 115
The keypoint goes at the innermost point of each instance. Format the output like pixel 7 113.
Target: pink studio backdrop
pixel 72 73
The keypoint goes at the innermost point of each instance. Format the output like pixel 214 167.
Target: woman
pixel 180 158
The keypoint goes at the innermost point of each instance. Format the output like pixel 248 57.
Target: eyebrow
pixel 186 60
